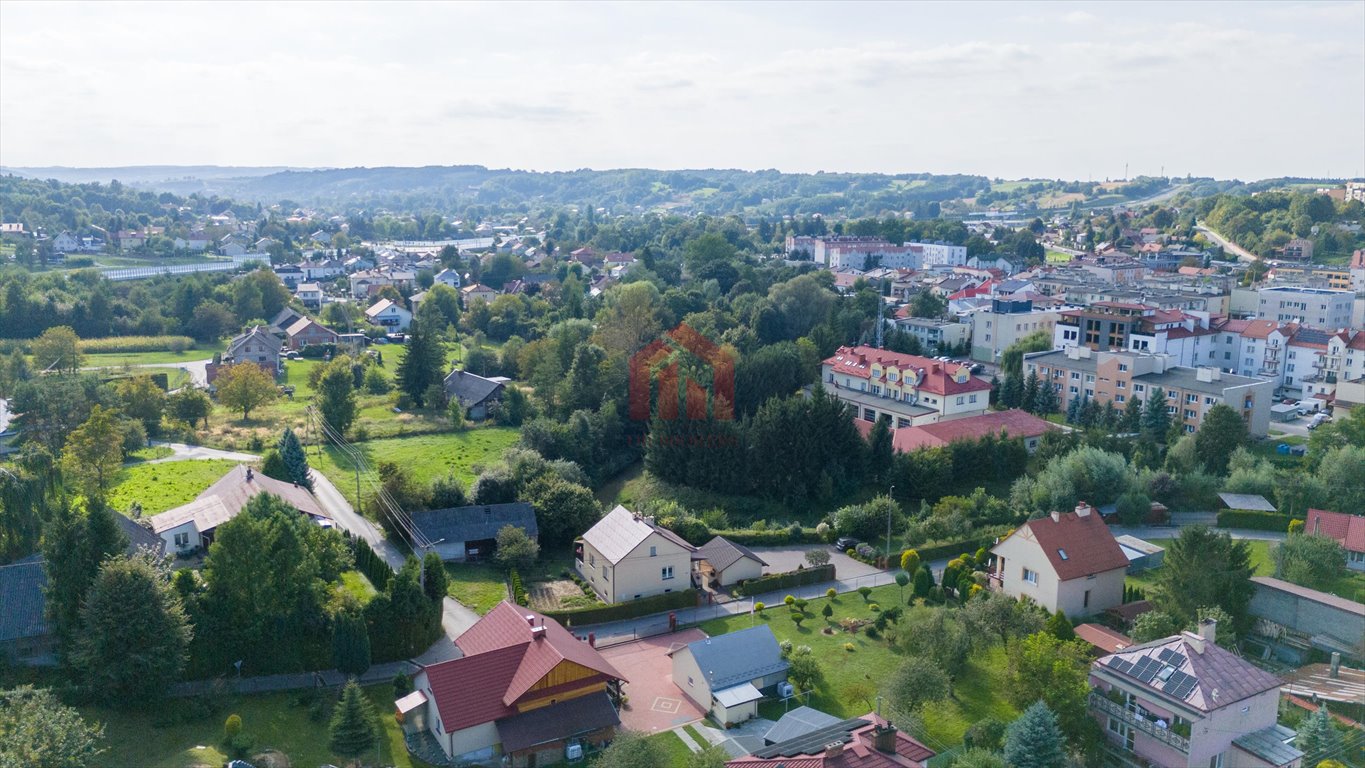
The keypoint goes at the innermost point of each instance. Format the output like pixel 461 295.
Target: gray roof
pixel 1247 502
pixel 1270 744
pixel 738 657
pixel 1217 678
pixel 139 537
pixel 271 341
pixel 475 523
pixel 557 722
pixel 22 584
pixel 813 742
pixel 1324 598
pixel 1174 377
pixel 470 389
pixel 797 723
pixel 722 553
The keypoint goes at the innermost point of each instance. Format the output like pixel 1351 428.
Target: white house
pixel 449 277
pixel 1067 561
pixel 727 674
pixel 626 556
pixel 390 316
pixel 65 243
pixel 724 562
pixel 191 526
pixel 310 295
pixel 477 291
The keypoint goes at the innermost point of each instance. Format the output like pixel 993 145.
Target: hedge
pixel 368 562
pixel 1256 521
pixel 983 538
pixel 578 617
pixel 779 581
pixel 770 537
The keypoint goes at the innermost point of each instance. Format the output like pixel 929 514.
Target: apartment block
pixel 1119 377
pixel 933 333
pixel 1316 307
pixel 910 389
pixel 1006 321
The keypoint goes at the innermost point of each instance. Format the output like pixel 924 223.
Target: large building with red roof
pixel 1068 561
pixel 526 692
pixel 1012 423
pixel 1348 530
pixel 909 389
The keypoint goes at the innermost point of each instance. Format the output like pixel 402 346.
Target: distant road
pixel 1228 246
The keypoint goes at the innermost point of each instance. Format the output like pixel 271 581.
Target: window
pixel 592 559
pixel 1030 576
pixel 960 399
pixel 604 572
pixel 1075 376
pixel 1123 366
pixel 1139 388
pixel 1085 601
pixel 1122 384
pixel 653 551
pixel 182 540
pixel 666 572
pixel 1119 399
pixel 1217 760
pixel 1073 390
pixel 971 398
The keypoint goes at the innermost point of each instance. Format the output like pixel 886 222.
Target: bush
pixel 831 593
pixel 827 611
pixel 864 591
pixel 1296 526
pixel 1255 521
pixel 758 607
pixel 631 609
pixel 778 581
pixel 850 647
pixel 233 726
pixel 789 600
pixel 402 684
pixel 769 537
pixel 519 594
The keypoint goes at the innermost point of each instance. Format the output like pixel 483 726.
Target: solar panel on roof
pixel 1176 659
pixel 1186 687
pixel 1122 665
pixel 1174 681
pixel 1144 664
pixel 1148 670
pixel 1165 654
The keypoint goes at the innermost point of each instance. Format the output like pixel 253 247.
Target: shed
pixel 727 674
pixel 1142 555
pixel 1282 412
pixel 471 532
pixel 724 562
pixel 1246 502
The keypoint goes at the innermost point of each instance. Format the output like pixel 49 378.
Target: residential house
pixel 367 282
pixel 289 274
pixel 465 533
pixel 626 556
pixel 476 394
pixel 910 389
pixel 477 291
pixel 323 270
pixel 257 345
pixel 1298 249
pixel 525 693
pixel 1296 622
pixel 727 675
pixel 24 634
pixel 1347 529
pixel 1068 561
pixel 306 331
pixel 286 317
pixel 869 741
pixel 189 527
pixel 725 563
pixel 1077 373
pixel 392 317
pixel 232 249
pixel 449 277
pixel 1184 701
pixel 309 295
pixel 65 243
pixel 1007 321
pixel 1012 423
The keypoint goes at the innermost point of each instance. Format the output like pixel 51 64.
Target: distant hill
pixel 144 175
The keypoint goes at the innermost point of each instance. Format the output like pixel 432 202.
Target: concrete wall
pixel 1310 617
pixel 1106 591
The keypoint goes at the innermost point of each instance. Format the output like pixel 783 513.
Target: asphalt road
pixel 185 452
pixel 1227 245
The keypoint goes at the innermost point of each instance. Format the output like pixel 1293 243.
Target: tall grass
pixel 124 344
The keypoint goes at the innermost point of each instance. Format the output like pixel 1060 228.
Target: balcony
pixel 1101 703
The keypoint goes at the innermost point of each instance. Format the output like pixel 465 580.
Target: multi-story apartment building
pixel 1118 377
pixel 1312 276
pixel 935 334
pixel 1006 321
pixel 838 252
pixel 1102 325
pixel 1315 307
pixel 911 390
pixel 1299 249
pixel 1184 702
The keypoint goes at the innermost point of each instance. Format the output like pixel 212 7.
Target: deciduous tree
pixel 1309 559
pixel 1222 431
pixel 94 451
pixel 58 349
pixel 336 394
pixel 39 730
pixel 245 387
pixel 143 400
pixel 516 549
pixel 915 683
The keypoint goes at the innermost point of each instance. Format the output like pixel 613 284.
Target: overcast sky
pixel 1066 90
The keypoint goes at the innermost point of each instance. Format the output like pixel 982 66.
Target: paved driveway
pixel 654 703
pixel 783 559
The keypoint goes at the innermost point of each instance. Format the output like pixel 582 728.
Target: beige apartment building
pixel 1007 321
pixel 909 389
pixel 1119 377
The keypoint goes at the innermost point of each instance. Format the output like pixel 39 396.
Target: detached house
pixel 1183 701
pixel 525 693
pixel 306 331
pixel 1067 561
pixel 389 316
pixel 1347 530
pixel 191 526
pixel 727 674
pixel 257 345
pixel 476 394
pixel 626 556
pixel 477 291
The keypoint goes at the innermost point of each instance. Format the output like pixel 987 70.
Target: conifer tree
pixel 422 366
pixel 1034 740
pixel 1046 401
pixel 291 453
pixel 351 644
pixel 352 731
pixel 1029 399
pixel 1319 739
pixel 1155 420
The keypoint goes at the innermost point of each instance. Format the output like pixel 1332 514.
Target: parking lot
pixel 783 559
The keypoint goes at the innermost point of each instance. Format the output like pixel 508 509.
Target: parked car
pixel 1318 420
pixel 845 543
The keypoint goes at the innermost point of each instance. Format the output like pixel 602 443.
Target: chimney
pixel 884 738
pixel 530 619
pixel 1208 629
pixel 1056 516
pixel 538 633
pixel 834 749
pixel 1083 509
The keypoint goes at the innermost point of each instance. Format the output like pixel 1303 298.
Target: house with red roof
pixel 909 389
pixel 526 693
pixel 1348 530
pixel 870 741
pixel 1068 561
pixel 1011 423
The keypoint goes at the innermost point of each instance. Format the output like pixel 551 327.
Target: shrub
pixel 801 604
pixel 233 726
pixel 764 584
pixel 1296 526
pixel 831 593
pixel 797 618
pixel 402 684
pixel 827 611
pixel 825 532
pixel 785 647
pixel 909 560
pixel 758 607
pixel 1256 521
pixel 864 591
pixel 817 556
pixel 630 609
pixel 789 600
pixel 850 647
pixel 874 607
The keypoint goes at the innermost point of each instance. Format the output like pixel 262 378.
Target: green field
pixel 673 747
pixel 426 456
pixel 477 586
pixel 273 721
pixel 159 487
pixel 976 693
pixel 163 357
pixel 1349 584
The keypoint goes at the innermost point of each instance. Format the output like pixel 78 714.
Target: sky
pixel 1010 90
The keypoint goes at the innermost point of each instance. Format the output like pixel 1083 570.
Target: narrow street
pixel 186 452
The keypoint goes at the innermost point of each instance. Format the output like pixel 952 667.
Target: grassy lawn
pixel 272 720
pixel 976 694
pixel 476 585
pixel 355 583
pixel 1348 584
pixel 159 487
pixel 675 751
pixel 426 456
pixel 150 453
pixel 118 359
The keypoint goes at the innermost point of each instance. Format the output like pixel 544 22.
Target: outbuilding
pixel 728 674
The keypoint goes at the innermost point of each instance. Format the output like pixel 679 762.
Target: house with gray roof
pixel 475 393
pixel 24 636
pixel 725 563
pixel 727 675
pixel 471 532
pixel 627 556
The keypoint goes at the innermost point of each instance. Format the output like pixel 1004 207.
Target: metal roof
pixel 1271 745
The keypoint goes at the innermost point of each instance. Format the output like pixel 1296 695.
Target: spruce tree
pixel 336 394
pixel 880 452
pixel 1046 402
pixel 1155 420
pixel 291 453
pixel 1132 416
pixel 1034 740
pixel 1319 739
pixel 1073 411
pixel 1029 400
pixel 422 366
pixel 352 731
pixel 1011 391
pixel 1060 626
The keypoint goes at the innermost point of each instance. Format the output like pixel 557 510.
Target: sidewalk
pixel 379 673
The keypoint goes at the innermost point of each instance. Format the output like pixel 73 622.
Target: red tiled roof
pixel 1347 529
pixel 1015 423
pixel 937 376
pixel 1103 638
pixel 503 660
pixel 1357 341
pixel 1259 329
pixel 1089 545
